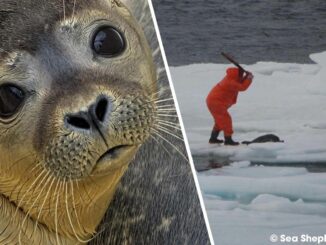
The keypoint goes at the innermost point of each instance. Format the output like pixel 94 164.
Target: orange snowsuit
pixel 223 96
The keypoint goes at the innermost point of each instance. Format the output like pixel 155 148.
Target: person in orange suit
pixel 221 98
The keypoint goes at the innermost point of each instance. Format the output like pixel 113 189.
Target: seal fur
pixel 57 175
pixel 166 219
pixel 264 139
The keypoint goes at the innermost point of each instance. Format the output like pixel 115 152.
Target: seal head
pixel 77 93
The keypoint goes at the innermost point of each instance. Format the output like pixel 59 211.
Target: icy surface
pixel 256 202
pixel 285 99
pixel 246 203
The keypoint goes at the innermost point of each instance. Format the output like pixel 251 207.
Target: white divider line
pixel 194 173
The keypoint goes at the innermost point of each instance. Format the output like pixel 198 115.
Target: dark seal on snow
pixel 264 139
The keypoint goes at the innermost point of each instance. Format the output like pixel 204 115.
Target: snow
pixel 246 203
pixel 256 202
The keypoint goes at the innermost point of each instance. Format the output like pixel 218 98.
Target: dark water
pixel 196 31
pixel 210 161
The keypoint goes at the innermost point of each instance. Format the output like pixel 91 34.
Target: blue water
pixel 252 30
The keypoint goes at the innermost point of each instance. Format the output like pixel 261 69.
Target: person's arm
pixel 244 85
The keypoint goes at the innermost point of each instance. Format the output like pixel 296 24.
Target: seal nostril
pixel 101 109
pixel 78 122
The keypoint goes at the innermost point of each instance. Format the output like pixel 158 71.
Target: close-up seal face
pixel 77 100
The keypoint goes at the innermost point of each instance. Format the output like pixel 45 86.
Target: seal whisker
pixel 162 129
pixel 44 201
pixel 68 213
pixel 30 209
pixel 157 92
pixel 39 194
pixel 15 188
pixel 41 209
pixel 59 184
pixel 168 109
pixel 163 100
pixel 27 191
pixel 163 124
pixel 167 115
pixel 161 90
pixel 75 211
pixel 74 204
pixel 172 145
pixel 176 125
pixel 166 106
pixel 69 217
pixel 52 197
pixel 166 150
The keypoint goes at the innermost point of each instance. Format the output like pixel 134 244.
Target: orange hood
pixel 232 73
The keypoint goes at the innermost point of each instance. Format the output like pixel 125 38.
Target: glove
pixel 250 76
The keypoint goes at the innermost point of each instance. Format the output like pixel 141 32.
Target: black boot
pixel 229 141
pixel 214 139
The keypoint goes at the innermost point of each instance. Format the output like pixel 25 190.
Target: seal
pixel 264 139
pixel 77 100
pixel 88 132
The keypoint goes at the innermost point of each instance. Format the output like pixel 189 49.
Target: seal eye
pixel 11 98
pixel 108 42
